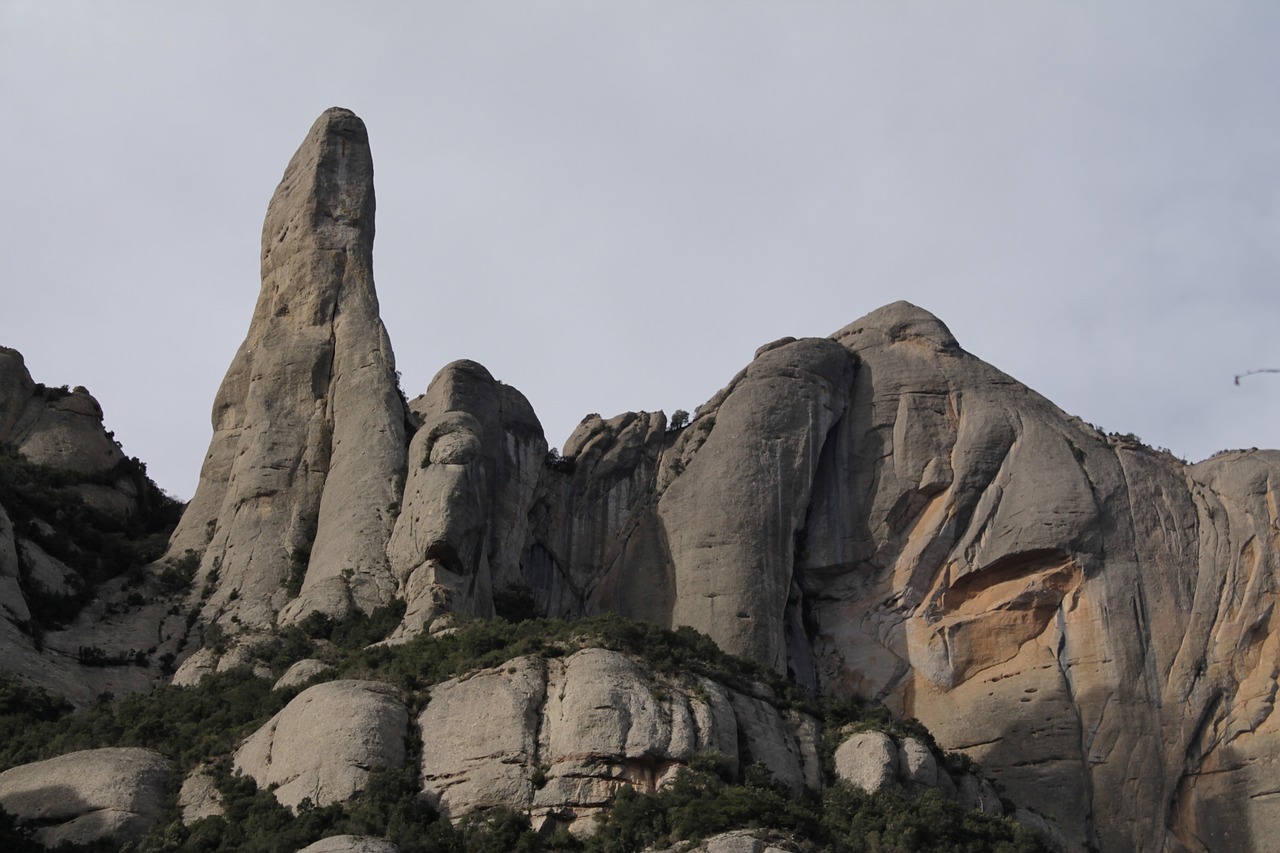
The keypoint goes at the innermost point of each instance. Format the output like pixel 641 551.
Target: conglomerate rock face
pixel 559 737
pixel 886 516
pixel 878 514
pixel 325 742
pixel 111 794
pixel 306 465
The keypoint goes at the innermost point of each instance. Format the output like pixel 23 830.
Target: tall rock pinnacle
pixel 305 469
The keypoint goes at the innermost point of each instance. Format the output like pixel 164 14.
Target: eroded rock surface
pixel 53 426
pixel 84 796
pixel 325 742
pixel 306 465
pixel 350 844
pixel 476 463
pixel 558 737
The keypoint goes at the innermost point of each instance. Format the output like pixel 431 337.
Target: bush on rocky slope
pixel 201 725
pixel 47 509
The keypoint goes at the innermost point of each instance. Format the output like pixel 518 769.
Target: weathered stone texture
pixel 323 744
pixel 84 796
pixel 350 844
pixel 475 465
pixel 560 736
pixel 306 464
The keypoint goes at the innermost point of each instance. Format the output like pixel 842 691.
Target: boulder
pixel 325 742
pixel 300 672
pixel 199 797
pixel 916 764
pixel 868 760
pixel 82 797
pixel 351 844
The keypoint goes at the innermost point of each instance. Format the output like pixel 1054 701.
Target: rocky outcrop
pixel 57 427
pixel 879 514
pixel 476 463
pixel 81 797
pixel 306 465
pixel 301 672
pixel 1044 597
pixel 559 737
pixel 733 515
pixel 325 742
pixel 78 523
pixel 350 844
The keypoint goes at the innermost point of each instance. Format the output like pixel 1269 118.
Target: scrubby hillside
pixel 767 759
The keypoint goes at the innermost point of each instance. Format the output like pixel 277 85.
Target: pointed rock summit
pixel 298 490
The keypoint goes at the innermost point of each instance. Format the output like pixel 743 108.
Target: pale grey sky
pixel 612 204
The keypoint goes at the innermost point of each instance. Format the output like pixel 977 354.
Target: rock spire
pixel 297 493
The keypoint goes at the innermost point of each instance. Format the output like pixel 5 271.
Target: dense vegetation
pixel 47 509
pixel 201 725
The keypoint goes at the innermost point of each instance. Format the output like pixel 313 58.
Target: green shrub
pixel 45 508
pixel 202 725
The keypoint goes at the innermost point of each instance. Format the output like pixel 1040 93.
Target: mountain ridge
pixel 877 514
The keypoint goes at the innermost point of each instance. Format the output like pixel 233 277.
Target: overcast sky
pixel 612 205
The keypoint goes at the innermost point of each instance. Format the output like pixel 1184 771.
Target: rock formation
pixel 476 462
pixel 78 521
pixel 305 470
pixel 81 797
pixel 52 426
pixel 322 746
pixel 878 514
pixel 1087 617
pixel 559 737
